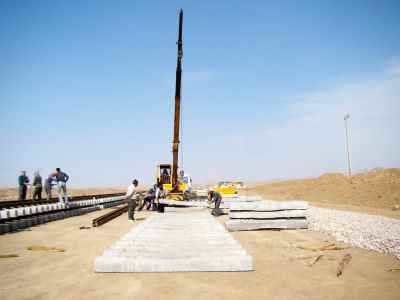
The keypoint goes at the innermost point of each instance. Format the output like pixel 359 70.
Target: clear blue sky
pixel 88 86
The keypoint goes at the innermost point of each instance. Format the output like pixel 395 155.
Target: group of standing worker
pixel 57 178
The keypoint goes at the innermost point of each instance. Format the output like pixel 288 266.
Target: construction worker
pixel 48 185
pixel 165 177
pixel 23 182
pixel 148 199
pixel 61 179
pixel 37 186
pixel 131 196
pixel 215 197
pixel 158 194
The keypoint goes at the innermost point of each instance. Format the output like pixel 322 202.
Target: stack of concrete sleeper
pixel 267 215
pixel 191 241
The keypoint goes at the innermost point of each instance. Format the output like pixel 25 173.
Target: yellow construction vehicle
pixel 164 177
pixel 226 188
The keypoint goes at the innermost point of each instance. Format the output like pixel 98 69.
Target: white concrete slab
pixel 20 211
pixel 295 213
pixel 27 210
pixel 199 203
pixel 248 224
pixel 185 241
pixel 4 214
pixel 269 206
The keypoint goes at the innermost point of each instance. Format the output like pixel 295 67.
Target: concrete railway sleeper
pixel 14 219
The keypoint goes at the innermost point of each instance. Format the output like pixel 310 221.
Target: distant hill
pixel 377 188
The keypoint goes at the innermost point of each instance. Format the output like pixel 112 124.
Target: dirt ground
pixel 376 192
pixel 282 269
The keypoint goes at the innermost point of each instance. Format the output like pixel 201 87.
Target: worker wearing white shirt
pixel 131 196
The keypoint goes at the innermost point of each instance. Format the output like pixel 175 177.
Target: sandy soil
pixel 376 192
pixel 281 271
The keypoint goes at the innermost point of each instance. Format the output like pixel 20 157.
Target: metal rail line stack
pixel 109 216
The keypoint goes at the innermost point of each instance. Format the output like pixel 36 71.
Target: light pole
pixel 346 118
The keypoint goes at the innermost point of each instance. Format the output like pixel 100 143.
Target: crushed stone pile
pixel 362 230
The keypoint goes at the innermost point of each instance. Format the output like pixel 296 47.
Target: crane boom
pixel 175 144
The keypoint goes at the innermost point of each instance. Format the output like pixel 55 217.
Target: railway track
pixel 21 203
pixel 15 217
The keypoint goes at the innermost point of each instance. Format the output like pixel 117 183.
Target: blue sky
pixel 88 86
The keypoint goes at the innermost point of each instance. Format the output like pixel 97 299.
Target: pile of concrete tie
pixel 228 201
pixel 191 241
pixel 189 203
pixel 267 215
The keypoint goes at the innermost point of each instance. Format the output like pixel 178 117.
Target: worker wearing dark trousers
pixel 147 200
pixel 48 183
pixel 131 208
pixel 158 194
pixel 37 186
pixel 131 196
pixel 215 197
pixel 23 182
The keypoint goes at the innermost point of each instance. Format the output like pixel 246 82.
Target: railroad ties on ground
pixel 183 241
pixel 19 218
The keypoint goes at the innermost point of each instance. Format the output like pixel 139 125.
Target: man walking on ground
pixel 37 186
pixel 61 179
pixel 131 196
pixel 48 184
pixel 23 182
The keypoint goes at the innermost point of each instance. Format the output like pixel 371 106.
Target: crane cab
pixel 164 176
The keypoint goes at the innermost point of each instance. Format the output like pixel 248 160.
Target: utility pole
pixel 175 143
pixel 346 118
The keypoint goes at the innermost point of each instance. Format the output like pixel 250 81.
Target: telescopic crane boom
pixel 175 143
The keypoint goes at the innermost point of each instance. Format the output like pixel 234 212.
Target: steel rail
pixel 18 203
pixel 109 216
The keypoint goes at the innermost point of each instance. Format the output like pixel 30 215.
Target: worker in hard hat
pixel 215 197
pixel 131 197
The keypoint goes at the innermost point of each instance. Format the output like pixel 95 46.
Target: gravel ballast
pixel 362 230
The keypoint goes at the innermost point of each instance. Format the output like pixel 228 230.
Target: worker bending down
pixel 215 197
pixel 148 199
pixel 131 197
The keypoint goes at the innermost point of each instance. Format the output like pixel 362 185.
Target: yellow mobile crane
pixel 167 175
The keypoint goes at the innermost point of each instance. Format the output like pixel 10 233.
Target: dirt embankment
pixel 370 191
